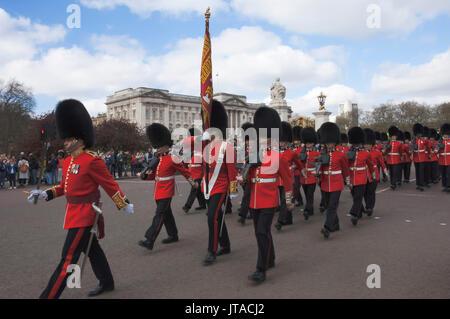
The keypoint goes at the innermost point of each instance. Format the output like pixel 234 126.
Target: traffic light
pixel 43 135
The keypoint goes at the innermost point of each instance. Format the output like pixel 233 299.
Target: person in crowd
pixel 23 167
pixel 11 172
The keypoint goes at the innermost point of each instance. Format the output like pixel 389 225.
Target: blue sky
pixel 311 45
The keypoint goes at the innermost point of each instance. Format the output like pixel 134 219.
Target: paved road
pixel 408 237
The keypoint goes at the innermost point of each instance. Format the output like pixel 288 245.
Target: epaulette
pixel 92 153
pixel 340 150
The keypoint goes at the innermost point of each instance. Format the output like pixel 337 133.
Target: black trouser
pixel 262 222
pixel 331 201
pixel 296 190
pixel 215 216
pixel 370 195
pixel 445 174
pixel 76 242
pixel 196 193
pixel 406 171
pixel 323 202
pixel 434 172
pixel 285 216
pixel 420 172
pixel 358 195
pixel 228 206
pixel 12 180
pixel 395 173
pixel 309 190
pixel 243 210
pixel 427 172
pixel 164 216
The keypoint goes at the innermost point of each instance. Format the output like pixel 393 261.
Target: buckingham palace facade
pixel 144 106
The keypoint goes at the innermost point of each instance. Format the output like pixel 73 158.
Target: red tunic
pixel 433 151
pixel 310 168
pixel 444 153
pixel 164 175
pixel 227 172
pixel 293 160
pixel 361 168
pixel 196 167
pixel 419 155
pixel 377 161
pixel 406 157
pixel 331 174
pixel 83 173
pixel 296 170
pixel 264 182
pixel 394 154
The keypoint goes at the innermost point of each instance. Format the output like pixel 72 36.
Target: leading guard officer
pixel 83 172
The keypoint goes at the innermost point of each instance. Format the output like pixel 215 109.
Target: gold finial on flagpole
pixel 207 14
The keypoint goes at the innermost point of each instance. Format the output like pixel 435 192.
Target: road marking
pixel 376 218
pixel 408 221
pixel 443 224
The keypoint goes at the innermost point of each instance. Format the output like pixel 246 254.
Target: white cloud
pixel 342 18
pixel 144 8
pixel 19 37
pixel 335 53
pixel 428 82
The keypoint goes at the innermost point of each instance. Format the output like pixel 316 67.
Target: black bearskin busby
pixel 286 132
pixel 329 133
pixel 159 135
pixel 434 134
pixel 369 136
pixel 356 135
pixel 417 129
pixel 377 136
pixel 426 132
pixel 445 129
pixel 297 133
pixel 73 120
pixel 194 132
pixel 407 136
pixel 268 118
pixel 384 137
pixel 344 138
pixel 393 131
pixel 309 135
pixel 219 117
pixel 245 127
pixel 400 136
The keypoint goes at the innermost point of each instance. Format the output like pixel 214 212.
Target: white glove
pixel 129 209
pixel 36 192
pixel 206 136
pixel 234 195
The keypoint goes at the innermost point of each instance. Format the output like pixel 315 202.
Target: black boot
pixel 223 251
pixel 325 233
pixel 185 209
pixel 146 243
pixel 258 276
pixel 170 240
pixel 101 288
pixel 209 259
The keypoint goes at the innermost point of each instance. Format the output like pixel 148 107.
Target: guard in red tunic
pixel 384 145
pixel 343 146
pixel 83 172
pixel 308 180
pixel 378 164
pixel 297 147
pixel 264 180
pixel 244 210
pixel 220 160
pixel 444 156
pixel 333 171
pixel 428 151
pixel 419 147
pixel 162 169
pixel 195 168
pixel 292 157
pixel 393 153
pixel 433 140
pixel 361 171
pixel 407 154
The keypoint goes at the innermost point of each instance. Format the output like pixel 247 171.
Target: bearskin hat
pixel 219 117
pixel 384 137
pixel 297 133
pixel 268 118
pixel 159 135
pixel 400 136
pixel 344 138
pixel 309 135
pixel 426 132
pixel 445 129
pixel 417 129
pixel 246 126
pixel 377 136
pixel 356 135
pixel 369 136
pixel 286 132
pixel 434 134
pixel 393 131
pixel 407 136
pixel 329 133
pixel 194 131
pixel 73 120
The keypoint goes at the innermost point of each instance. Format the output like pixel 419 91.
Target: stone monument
pixel 322 116
pixel 277 100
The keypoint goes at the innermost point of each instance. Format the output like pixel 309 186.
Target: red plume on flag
pixel 206 76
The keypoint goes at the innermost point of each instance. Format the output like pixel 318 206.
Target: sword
pixel 223 215
pixel 94 228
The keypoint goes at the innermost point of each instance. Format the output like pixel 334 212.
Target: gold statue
pixel 322 99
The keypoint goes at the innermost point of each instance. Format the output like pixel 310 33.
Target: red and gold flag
pixel 206 76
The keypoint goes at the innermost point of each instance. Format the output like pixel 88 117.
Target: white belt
pixel 161 179
pixel 312 169
pixel 263 180
pixel 358 168
pixel 393 154
pixel 293 167
pixel 194 165
pixel 332 173
pixel 444 153
pixel 419 151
